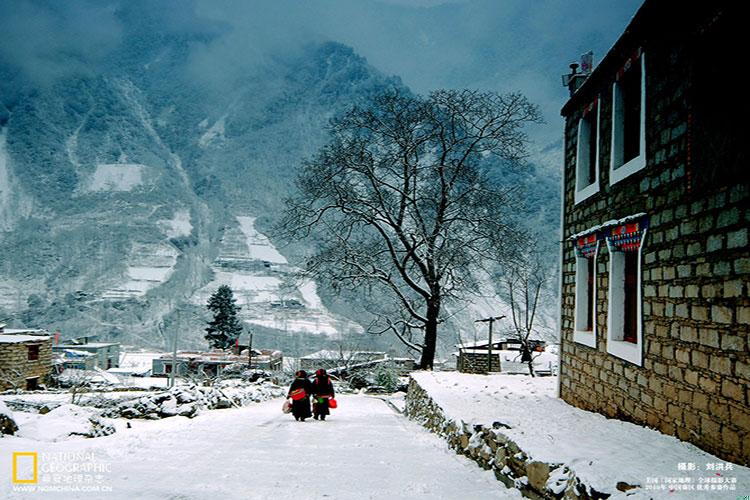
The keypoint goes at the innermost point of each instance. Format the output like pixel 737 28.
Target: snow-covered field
pixel 261 279
pixel 601 451
pixel 364 450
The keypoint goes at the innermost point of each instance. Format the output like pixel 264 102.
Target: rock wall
pixel 16 367
pixel 492 450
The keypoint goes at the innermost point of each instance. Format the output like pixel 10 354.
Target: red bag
pixel 298 394
pixel 332 403
pixel 286 407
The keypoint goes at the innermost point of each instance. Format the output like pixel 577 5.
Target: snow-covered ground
pixel 364 450
pixel 601 451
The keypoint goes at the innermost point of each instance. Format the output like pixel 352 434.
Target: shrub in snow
pixel 387 378
pixel 7 424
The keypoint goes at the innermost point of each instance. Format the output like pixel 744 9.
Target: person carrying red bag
pixel 300 392
pixel 322 388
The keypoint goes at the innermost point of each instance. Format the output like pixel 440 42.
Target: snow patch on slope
pixel 115 177
pixel 149 266
pixel 263 285
pixel 260 247
pixel 216 131
pixel 178 225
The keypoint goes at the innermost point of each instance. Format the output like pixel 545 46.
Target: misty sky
pixel 500 45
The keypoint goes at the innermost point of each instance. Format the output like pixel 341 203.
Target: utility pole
pixel 174 359
pixel 250 352
pixel 491 320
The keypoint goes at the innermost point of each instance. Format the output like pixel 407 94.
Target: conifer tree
pixel 225 328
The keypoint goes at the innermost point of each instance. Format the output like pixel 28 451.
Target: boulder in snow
pixel 7 424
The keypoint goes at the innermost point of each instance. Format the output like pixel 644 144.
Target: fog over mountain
pixel 146 147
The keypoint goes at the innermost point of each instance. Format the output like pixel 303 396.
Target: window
pixel 629 119
pixel 624 319
pixel 587 155
pixel 585 306
pixel 33 353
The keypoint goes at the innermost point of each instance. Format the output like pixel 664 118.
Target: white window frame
pixel 616 174
pixel 616 300
pixel 585 337
pixel 582 159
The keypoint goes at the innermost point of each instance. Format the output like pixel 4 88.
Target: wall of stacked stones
pixel 14 363
pixel 491 449
pixel 695 378
pixel 477 363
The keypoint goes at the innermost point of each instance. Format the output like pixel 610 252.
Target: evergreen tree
pixel 224 329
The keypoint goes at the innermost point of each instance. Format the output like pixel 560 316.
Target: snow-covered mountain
pixel 129 193
pixel 135 180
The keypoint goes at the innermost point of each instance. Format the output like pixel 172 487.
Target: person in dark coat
pixel 323 392
pixel 300 392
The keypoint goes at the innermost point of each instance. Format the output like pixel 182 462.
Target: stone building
pixel 655 270
pixel 106 355
pixel 25 360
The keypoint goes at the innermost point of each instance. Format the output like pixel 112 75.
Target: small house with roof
pixel 25 358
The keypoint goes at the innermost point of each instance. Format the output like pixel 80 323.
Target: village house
pixel 655 263
pixel 474 357
pixel 25 358
pixel 106 355
pixel 212 363
pixel 330 359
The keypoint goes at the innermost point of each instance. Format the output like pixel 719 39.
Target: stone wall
pixel 493 450
pixel 477 363
pixel 15 365
pixel 694 381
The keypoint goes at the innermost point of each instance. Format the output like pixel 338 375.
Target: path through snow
pixel 363 451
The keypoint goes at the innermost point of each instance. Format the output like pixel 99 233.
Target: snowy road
pixel 364 450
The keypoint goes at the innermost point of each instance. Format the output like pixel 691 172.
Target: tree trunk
pixel 430 335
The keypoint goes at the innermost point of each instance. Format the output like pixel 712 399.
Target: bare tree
pixel 401 202
pixel 526 282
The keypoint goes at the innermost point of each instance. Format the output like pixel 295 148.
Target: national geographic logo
pixel 25 467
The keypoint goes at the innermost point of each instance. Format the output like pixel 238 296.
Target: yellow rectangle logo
pixel 28 474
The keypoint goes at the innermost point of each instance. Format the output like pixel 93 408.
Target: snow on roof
pixel 17 339
pixel 29 331
pixel 603 225
pixel 480 343
pixel 93 345
pixel 328 354
pixel 78 353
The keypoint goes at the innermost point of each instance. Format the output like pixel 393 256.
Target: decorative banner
pixel 634 57
pixel 627 237
pixel 586 245
pixel 587 63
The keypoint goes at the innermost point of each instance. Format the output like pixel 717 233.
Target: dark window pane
pixel 630 326
pixel 590 295
pixel 33 352
pixel 630 86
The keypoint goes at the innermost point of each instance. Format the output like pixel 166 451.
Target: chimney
pixel 574 79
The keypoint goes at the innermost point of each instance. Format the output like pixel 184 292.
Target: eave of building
pixel 611 60
pixel 657 20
